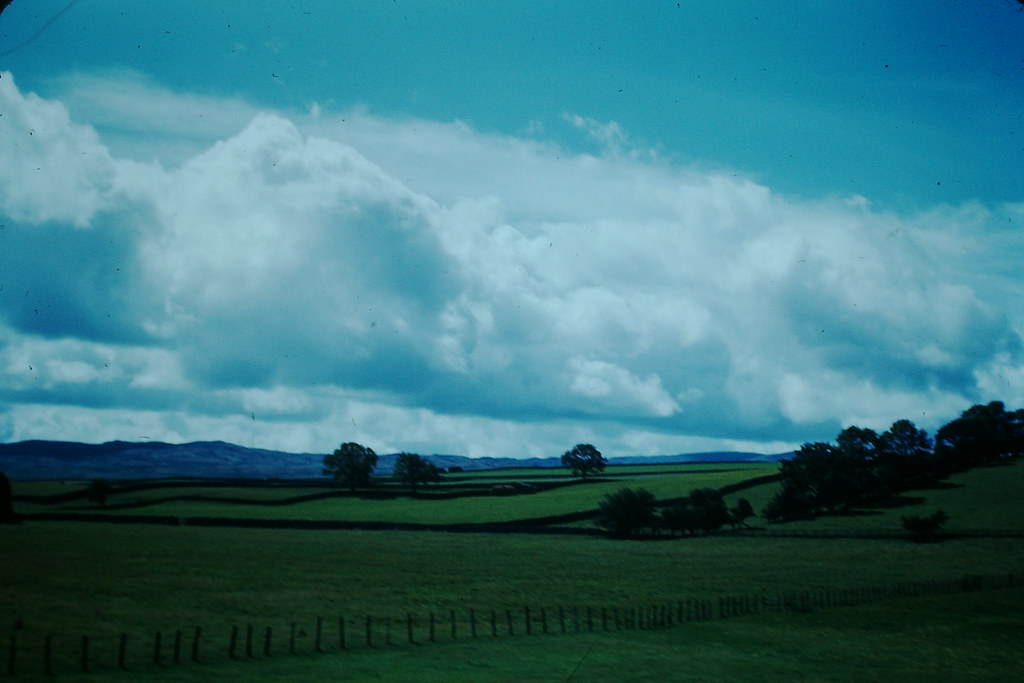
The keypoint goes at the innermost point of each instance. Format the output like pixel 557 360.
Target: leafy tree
pixel 739 512
pixel 584 459
pixel 414 469
pixel 905 457
pixel 682 517
pixel 351 465
pixel 626 512
pixel 859 442
pixel 791 502
pixel 821 477
pixel 99 491
pixel 6 505
pixel 711 510
pixel 923 529
pixel 703 511
pixel 983 434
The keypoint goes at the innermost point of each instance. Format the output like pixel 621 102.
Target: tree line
pixel 864 468
pixel 352 465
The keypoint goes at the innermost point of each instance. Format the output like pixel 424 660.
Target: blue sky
pixel 506 228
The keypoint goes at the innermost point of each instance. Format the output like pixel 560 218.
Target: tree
pixel 351 465
pixel 99 490
pixel 681 517
pixel 584 459
pixel 983 434
pixel 905 457
pixel 739 512
pixel 924 529
pixel 702 512
pixel 6 505
pixel 711 510
pixel 626 512
pixel 821 477
pixel 414 469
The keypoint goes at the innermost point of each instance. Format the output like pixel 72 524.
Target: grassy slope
pixel 984 498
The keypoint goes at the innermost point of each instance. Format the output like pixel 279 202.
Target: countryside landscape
pixel 581 570
pixel 491 342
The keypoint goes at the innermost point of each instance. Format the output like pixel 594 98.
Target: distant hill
pixel 42 460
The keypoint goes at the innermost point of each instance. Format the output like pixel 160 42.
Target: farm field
pixel 272 502
pixel 72 578
pixel 970 637
pixel 982 498
pixel 100 578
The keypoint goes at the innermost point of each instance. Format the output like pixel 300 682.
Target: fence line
pixel 66 653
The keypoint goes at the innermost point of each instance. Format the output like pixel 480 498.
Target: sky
pixel 505 228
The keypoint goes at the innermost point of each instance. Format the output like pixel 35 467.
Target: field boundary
pixel 60 653
pixel 537 525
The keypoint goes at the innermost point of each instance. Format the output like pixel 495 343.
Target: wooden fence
pixel 56 653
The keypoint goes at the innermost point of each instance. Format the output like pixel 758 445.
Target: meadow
pixel 478 506
pixel 101 579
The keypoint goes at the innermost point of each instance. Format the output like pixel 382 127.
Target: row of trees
pixel 628 512
pixel 352 465
pixel 864 468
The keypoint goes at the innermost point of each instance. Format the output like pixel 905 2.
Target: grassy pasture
pixel 970 637
pixel 983 498
pixel 663 481
pixel 101 579
pixel 98 578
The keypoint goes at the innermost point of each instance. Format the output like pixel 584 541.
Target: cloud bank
pixel 293 280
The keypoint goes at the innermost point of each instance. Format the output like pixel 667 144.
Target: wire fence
pixel 52 654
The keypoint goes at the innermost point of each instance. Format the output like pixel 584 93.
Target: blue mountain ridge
pixel 64 460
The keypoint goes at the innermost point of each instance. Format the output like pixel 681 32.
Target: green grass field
pixel 983 498
pixel 663 481
pixel 75 578
pixel 967 637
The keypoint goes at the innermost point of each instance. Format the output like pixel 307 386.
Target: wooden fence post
pixel 319 634
pixel 590 619
pixel 472 622
pixel 576 618
pixel 291 637
pixel 561 617
pixel 508 620
pixel 408 628
pixel 432 623
pixel 12 653
pixel 451 613
pixel 341 632
pixel 494 623
pixel 156 647
pixel 85 654
pixel 195 643
pixel 526 616
pixel 369 631
pixel 177 645
pixel 604 618
pixel 387 632
pixel 268 634
pixel 233 642
pixel 122 652
pixel 544 619
pixel 48 654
